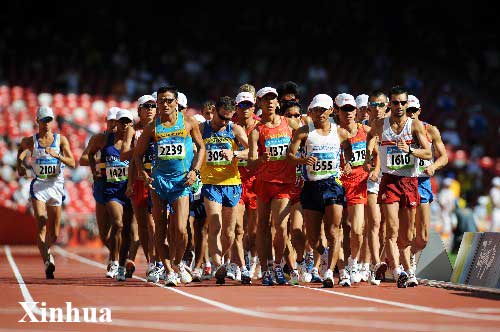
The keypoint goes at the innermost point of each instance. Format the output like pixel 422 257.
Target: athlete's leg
pixel 392 220
pixel 237 247
pixel 53 224
pixel 161 242
pixel 280 212
pixel 128 217
pixel 178 222
pixel 333 232
pixel 297 234
pixel 40 212
pixel 115 212
pixel 264 244
pixel 405 235
pixel 373 228
pixel 134 240
pixel 144 219
pixel 422 226
pixel 214 220
pixel 103 224
pixel 355 214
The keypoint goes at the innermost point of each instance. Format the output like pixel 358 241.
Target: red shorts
pixel 248 196
pixel 355 186
pixel 267 191
pixel 399 189
pixel 295 194
pixel 140 198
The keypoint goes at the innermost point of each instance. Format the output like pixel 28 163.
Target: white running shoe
pixel 328 279
pixel 413 263
pixel 304 276
pixel 344 278
pixel 113 270
pixel 197 273
pixel 184 275
pixel 151 267
pixel 154 274
pixel 120 275
pixel 246 279
pixel 373 280
pixel 294 277
pixel 365 272
pixel 323 262
pixel 253 266
pixel 412 280
pixel 353 268
pixel 237 274
pixel 220 274
pixel 231 271
pixel 171 280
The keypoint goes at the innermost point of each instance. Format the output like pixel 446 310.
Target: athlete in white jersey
pixel 399 184
pixel 322 193
pixel 51 152
pixel 426 169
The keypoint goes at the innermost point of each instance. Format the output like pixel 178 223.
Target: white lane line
pixel 369 323
pixel 444 312
pixel 24 290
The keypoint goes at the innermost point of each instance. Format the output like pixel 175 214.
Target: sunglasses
pixel 245 105
pixel 412 109
pixel 292 115
pixel 166 100
pixel 397 102
pixel 149 105
pixel 347 108
pixel 374 104
pixel 46 119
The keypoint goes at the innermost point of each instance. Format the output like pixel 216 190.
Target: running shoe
pixel 413 263
pixel 315 277
pixel 412 280
pixel 379 270
pixel 253 266
pixel 344 278
pixel 247 259
pixel 268 278
pixel 151 267
pixel 207 273
pixel 237 274
pixel 328 279
pixel 171 280
pixel 197 274
pixel 231 271
pixel 352 267
pixel 309 261
pixel 154 274
pixel 245 277
pixel 120 275
pixel 365 272
pixel 129 268
pixel 50 267
pixel 184 275
pixel 220 274
pixel 280 276
pixel 304 275
pixel 323 265
pixel 402 277
pixel 294 277
pixel 373 280
pixel 113 270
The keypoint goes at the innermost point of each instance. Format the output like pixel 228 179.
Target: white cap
pixel 413 101
pixel 200 118
pixel 182 99
pixel 44 112
pixel 361 101
pixel 344 99
pixel 123 113
pixel 245 96
pixel 264 91
pixel 496 181
pixel 144 99
pixel 155 95
pixel 321 100
pixel 112 113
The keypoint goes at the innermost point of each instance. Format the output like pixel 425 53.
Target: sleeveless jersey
pixel 245 172
pixel 276 141
pixel 216 169
pixel 326 149
pixel 116 171
pixel 173 149
pixel 358 144
pixel 422 163
pixel 393 160
pixel 47 168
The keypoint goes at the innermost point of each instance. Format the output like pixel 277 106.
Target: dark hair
pixel 377 93
pixel 398 90
pixel 225 102
pixel 288 88
pixel 168 88
pixel 208 104
pixel 288 104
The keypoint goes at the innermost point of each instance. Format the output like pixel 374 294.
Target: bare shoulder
pixel 27 142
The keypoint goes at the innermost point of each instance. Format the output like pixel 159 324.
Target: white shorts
pixel 49 192
pixel 372 187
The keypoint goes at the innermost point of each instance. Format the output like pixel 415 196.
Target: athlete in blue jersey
pixel 51 153
pixel 175 169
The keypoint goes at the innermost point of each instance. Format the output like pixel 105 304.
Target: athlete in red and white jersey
pixel 399 137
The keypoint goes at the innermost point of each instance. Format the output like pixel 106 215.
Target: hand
pixel 265 156
pixel 228 154
pixel 403 146
pixel 148 181
pixel 347 168
pixel 430 170
pixel 373 177
pixel 310 161
pixel 52 152
pixel 130 190
pixel 367 166
pixel 21 170
pixel 190 178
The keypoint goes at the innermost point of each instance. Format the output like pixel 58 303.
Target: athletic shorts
pixel 168 190
pixel 267 191
pixel 400 189
pixel 98 190
pixel 49 192
pixel 425 190
pixel 355 186
pixel 227 195
pixel 140 197
pixel 197 209
pixel 316 195
pixel 248 196
pixel 115 192
pixel 295 193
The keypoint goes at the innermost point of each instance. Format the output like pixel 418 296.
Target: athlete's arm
pixel 140 149
pixel 293 123
pixel 371 142
pixel 440 151
pixel 126 151
pixel 418 133
pixel 298 138
pixel 346 147
pixel 254 160
pixel 131 178
pixel 241 136
pixel 95 145
pixel 67 156
pixel 25 146
pixel 198 141
pixel 84 159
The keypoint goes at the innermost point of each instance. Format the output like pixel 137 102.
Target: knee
pixel 421 242
pixel 403 242
pixel 392 233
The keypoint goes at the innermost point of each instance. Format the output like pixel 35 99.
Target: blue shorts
pixel 98 190
pixel 197 209
pixel 425 190
pixel 168 190
pixel 316 195
pixel 228 196
pixel 115 192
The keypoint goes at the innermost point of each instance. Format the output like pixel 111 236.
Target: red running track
pixel 139 306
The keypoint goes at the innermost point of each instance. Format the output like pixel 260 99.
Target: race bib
pixel 169 151
pixel 423 164
pixel 277 147
pixel 397 159
pixel 116 171
pixel 47 168
pixel 327 165
pixel 358 153
pixel 241 162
